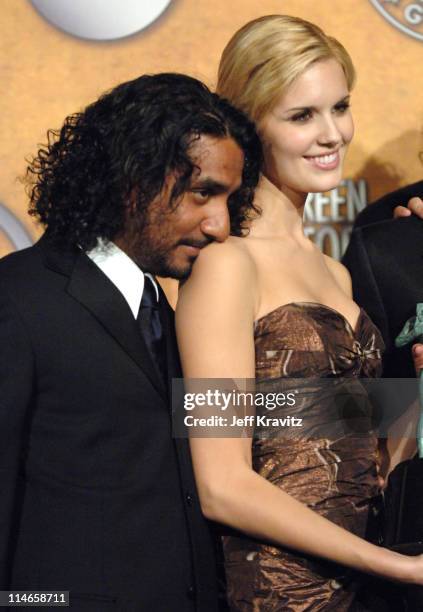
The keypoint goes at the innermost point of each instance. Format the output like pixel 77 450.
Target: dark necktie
pixel 151 327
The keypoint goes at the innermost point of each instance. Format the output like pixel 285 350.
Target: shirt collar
pixel 122 271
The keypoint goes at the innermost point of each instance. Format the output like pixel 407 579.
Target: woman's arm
pixel 214 321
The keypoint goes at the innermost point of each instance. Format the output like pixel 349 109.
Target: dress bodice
pixel 304 339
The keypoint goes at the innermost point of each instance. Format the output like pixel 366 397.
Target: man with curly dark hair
pixel 98 499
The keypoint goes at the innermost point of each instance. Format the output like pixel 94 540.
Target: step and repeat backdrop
pixel 59 55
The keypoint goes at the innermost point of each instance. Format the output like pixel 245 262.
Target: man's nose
pixel 217 224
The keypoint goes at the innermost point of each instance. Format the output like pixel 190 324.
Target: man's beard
pixel 153 249
pixel 159 263
pixel 155 255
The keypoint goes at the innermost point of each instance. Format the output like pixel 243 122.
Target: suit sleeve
pixel 382 210
pixel 16 381
pixel 365 288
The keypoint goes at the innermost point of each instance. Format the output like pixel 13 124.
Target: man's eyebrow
pixel 213 186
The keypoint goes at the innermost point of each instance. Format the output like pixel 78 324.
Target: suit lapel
pixel 93 290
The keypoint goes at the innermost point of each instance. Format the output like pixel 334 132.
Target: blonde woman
pixel 271 305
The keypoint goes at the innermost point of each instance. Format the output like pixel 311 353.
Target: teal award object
pixel 413 332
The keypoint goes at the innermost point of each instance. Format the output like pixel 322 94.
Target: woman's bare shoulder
pixel 225 258
pixel 223 273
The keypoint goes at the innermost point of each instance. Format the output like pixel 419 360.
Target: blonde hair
pixel 266 55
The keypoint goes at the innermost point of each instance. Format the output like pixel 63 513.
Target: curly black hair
pixel 123 146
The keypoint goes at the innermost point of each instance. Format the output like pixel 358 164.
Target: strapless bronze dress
pixel 335 475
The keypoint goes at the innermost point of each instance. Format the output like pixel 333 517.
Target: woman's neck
pixel 282 210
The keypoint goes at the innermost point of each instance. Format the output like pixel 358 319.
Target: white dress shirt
pixel 122 271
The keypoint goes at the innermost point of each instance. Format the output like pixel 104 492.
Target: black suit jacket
pixel 382 209
pixel 385 260
pixel 96 496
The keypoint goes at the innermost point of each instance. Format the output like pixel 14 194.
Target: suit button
pixel 191 592
pixel 189 499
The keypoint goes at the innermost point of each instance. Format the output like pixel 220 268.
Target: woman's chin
pixel 327 183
